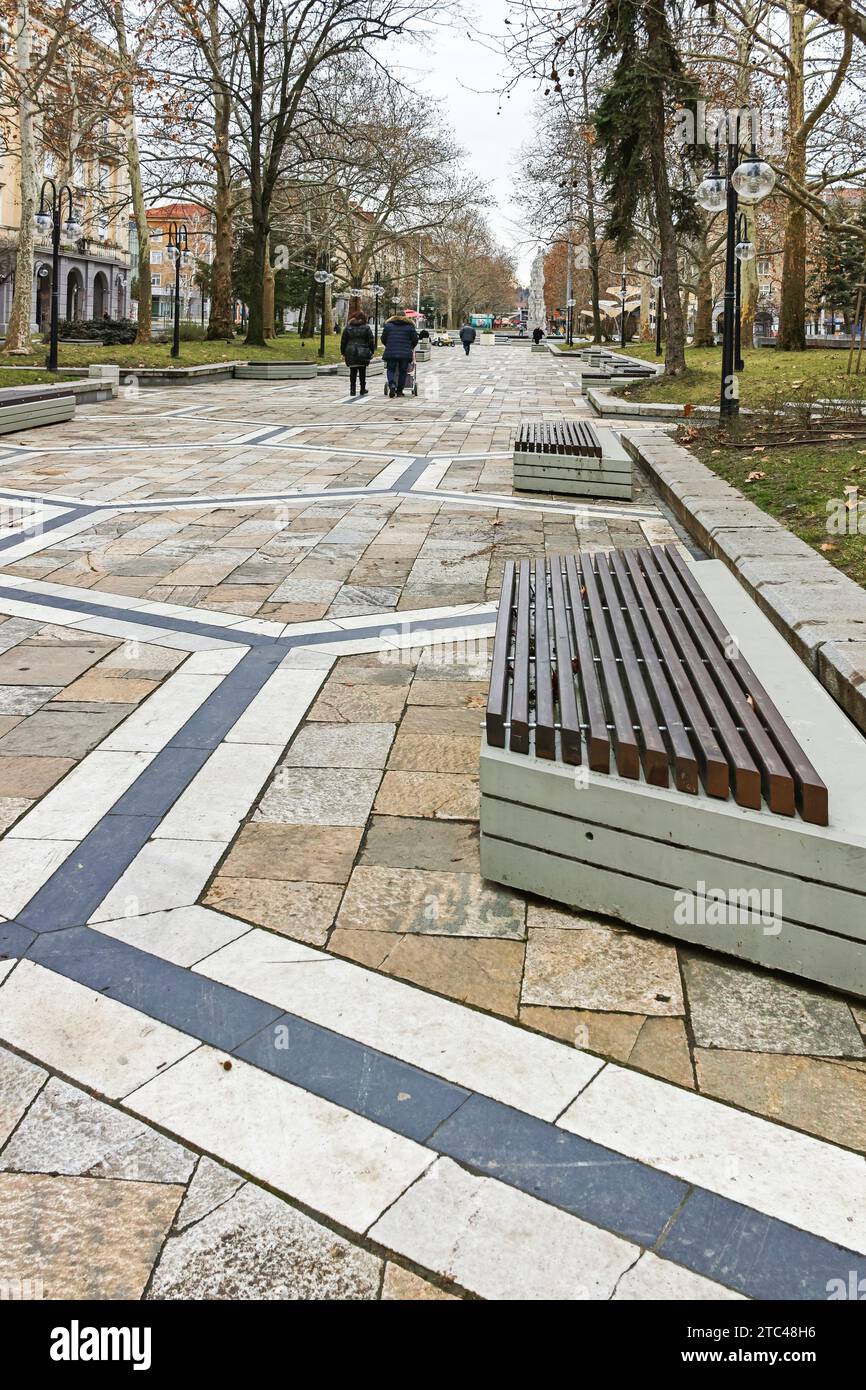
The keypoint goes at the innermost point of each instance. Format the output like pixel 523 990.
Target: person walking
pixel 399 338
pixel 357 346
pixel 467 337
pixel 537 335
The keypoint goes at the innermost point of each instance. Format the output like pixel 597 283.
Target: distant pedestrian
pixel 400 338
pixel 537 335
pixel 467 337
pixel 357 346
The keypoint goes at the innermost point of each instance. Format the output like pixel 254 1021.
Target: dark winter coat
pixel 400 339
pixel 467 333
pixel 357 344
pixel 537 335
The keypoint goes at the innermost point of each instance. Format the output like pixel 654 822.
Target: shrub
pixel 106 331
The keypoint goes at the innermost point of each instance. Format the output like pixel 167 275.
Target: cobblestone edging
pixel 820 611
pixel 604 402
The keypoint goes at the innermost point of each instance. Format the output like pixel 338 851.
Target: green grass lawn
pixel 10 377
pixel 797 485
pixel 192 354
pixel 769 377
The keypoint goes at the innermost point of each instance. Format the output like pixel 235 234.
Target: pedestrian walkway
pixel 256 998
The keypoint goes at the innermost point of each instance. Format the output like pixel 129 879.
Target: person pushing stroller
pixel 399 339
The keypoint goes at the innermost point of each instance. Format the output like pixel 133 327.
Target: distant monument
pixel 537 313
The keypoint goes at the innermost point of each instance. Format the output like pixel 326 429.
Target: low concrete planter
pixel 374 368
pixel 819 610
pixel 539 347
pixel 275 371
pixel 104 371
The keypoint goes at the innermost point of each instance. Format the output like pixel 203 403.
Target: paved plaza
pixel 267 1031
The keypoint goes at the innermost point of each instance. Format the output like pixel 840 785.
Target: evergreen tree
pixel 647 81
pixel 838 265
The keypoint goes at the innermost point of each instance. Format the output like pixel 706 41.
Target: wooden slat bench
pixel 654 751
pixel 29 409
pixel 571 457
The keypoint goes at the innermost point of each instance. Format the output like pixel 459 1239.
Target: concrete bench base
pixel 275 371
pixel 576 476
pixel 762 887
pixel 374 368
pixel 25 415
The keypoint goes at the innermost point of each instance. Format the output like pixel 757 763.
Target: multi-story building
pixel 198 221
pixel 94 270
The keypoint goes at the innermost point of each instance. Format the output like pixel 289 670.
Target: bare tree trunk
pixel 268 287
pixel 220 321
pixel 133 164
pixel 704 311
pixel 792 314
pixel 18 330
pixel 449 298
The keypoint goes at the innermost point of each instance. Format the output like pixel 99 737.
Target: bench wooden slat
pixel 569 715
pixel 625 743
pixel 545 731
pixel 598 734
pixel 652 744
pixel 776 780
pixel 518 740
pixel 685 764
pixel 747 778
pixel 711 759
pixel 810 789
pixel 497 698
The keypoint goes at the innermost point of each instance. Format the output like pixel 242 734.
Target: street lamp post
pixel 177 250
pixel 744 250
pixel 48 220
pixel 749 181
pixel 377 290
pixel 569 331
pixel 324 278
pixel 622 306
pixel 656 283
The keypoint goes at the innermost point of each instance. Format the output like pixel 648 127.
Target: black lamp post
pixel 48 220
pixel 377 290
pixel 177 249
pixel 622 308
pixel 749 182
pixel 656 283
pixel 323 277
pixel 569 332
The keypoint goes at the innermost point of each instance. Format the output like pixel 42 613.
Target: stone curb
pixel 819 610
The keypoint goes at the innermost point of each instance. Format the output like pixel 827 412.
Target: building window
pixel 156 258
pixel 156 279
pixel 102 224
pixel 764 266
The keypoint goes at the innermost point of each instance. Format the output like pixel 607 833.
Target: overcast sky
pixel 465 78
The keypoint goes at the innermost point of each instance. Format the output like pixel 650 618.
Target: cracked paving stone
pixel 85 1238
pixel 211 1186
pixel 601 968
pixel 440 795
pixel 319 796
pixel 19 1082
pixel 304 853
pixel 341 745
pixel 304 911
pixel 397 842
pixel 738 1008
pixel 611 1035
pixel 429 903
pixel 478 971
pixel 401 1284
pixel 822 1097
pixel 255 1246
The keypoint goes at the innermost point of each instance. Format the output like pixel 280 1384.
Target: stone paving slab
pixel 358 848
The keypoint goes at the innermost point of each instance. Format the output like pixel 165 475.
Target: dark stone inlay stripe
pixel 72 513
pixel 15 940
pixel 402 1097
pixel 411 474
pixel 759 1255
pixel 211 1012
pixel 572 1173
pixel 75 890
pixel 158 786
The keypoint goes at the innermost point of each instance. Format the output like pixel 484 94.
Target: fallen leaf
pixel 755 475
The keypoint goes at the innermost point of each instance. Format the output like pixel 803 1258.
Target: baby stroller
pixel 411 387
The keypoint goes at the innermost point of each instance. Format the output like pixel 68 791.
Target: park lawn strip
pixel 192 354
pixel 10 377
pixel 769 377
pixel 803 487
